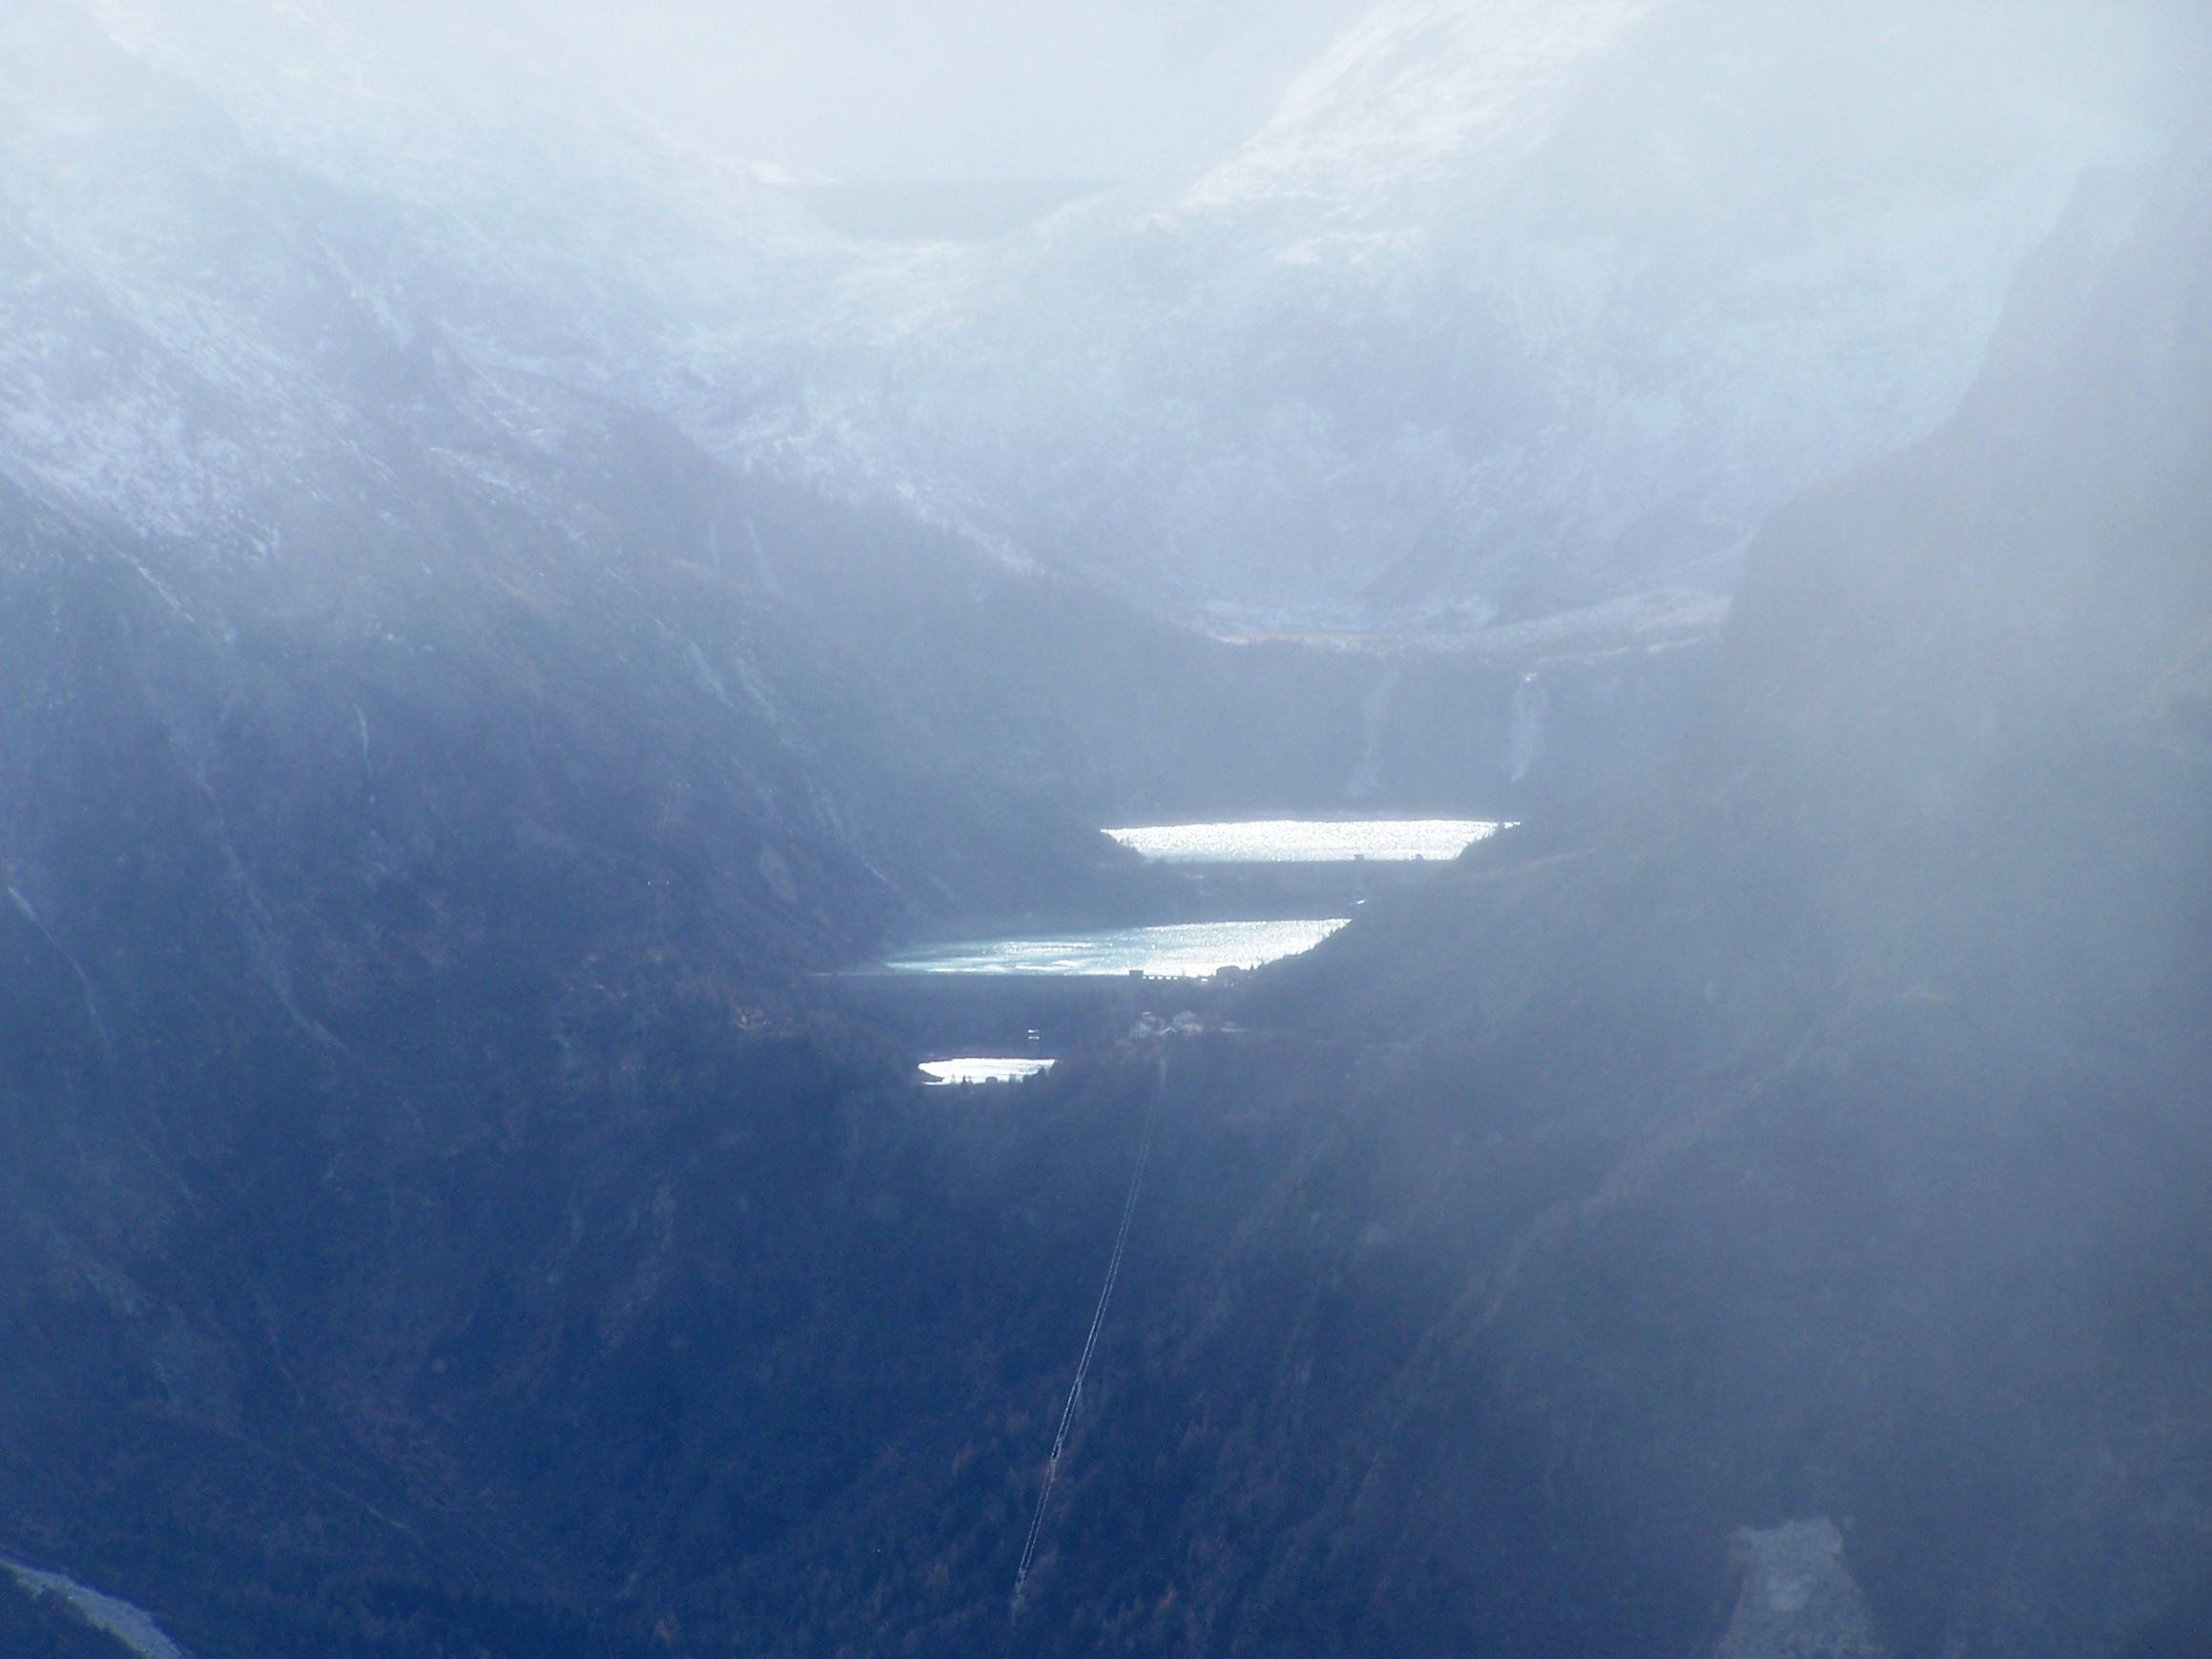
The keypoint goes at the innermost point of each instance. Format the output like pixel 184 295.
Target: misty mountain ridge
pixel 1515 178
pixel 1489 319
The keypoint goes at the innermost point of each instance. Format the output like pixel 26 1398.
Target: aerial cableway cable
pixel 1098 1316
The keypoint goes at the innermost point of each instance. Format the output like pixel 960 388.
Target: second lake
pixel 1185 950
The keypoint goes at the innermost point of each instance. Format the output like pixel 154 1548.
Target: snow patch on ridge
pixel 1419 88
pixel 133 1627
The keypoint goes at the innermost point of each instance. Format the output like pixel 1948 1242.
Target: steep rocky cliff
pixel 1874 1053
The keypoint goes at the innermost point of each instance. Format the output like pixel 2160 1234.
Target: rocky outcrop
pixel 1798 1599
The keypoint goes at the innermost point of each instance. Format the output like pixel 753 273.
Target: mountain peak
pixel 1435 89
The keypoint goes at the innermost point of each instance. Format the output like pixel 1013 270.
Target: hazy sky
pixel 955 89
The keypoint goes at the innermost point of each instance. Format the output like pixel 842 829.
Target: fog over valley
pixel 1366 827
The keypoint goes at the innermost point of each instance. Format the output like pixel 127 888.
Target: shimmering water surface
pixel 1307 840
pixel 1189 951
pixel 942 1072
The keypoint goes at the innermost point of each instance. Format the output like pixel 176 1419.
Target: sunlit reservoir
pixel 944 1073
pixel 1185 950
pixel 1308 840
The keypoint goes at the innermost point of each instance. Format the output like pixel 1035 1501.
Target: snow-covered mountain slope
pixel 234 231
pixel 1510 308
pixel 376 359
pixel 1512 305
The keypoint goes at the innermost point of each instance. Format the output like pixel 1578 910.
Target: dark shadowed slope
pixel 401 755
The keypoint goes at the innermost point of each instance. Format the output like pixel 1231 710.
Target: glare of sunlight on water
pixel 1187 950
pixel 1307 840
